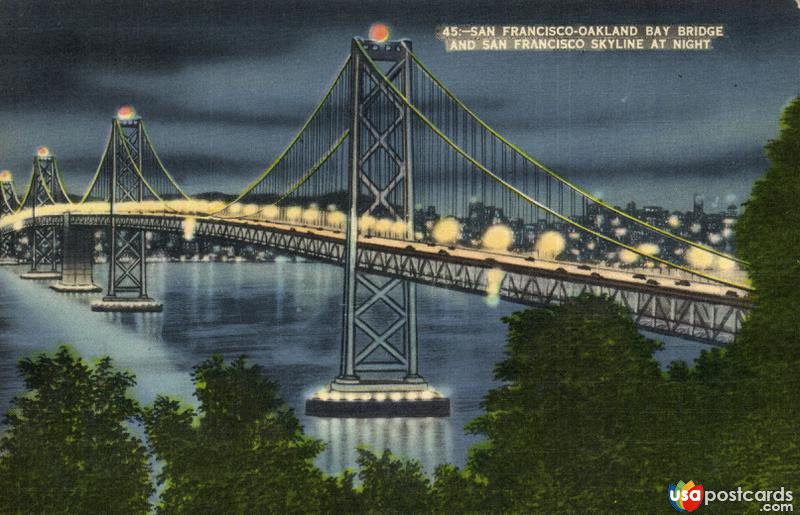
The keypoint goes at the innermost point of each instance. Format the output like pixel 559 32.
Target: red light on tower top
pixel 126 113
pixel 379 32
pixel 5 176
pixel 43 152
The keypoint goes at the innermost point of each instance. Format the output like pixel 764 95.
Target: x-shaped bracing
pixel 380 293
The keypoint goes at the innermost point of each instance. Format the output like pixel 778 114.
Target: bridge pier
pixel 379 373
pixel 76 267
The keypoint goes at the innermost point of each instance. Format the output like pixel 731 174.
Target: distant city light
pixel 126 113
pixel 43 152
pixel 674 221
pixel 379 32
pixel 651 249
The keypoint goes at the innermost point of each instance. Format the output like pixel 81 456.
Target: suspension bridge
pixel 387 139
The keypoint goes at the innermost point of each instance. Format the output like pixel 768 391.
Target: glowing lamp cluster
pixel 446 231
pixel 43 152
pixel 699 258
pixel 379 32
pixel 550 244
pixel 5 176
pixel 650 249
pixel 498 237
pixel 333 395
pixel 628 257
pixel 126 113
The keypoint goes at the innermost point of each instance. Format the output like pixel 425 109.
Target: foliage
pixel 242 452
pixel 456 491
pixel 580 417
pixel 68 447
pixel 759 445
pixel 392 485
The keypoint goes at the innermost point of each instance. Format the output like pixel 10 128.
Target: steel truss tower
pixel 379 358
pixel 127 267
pixel 8 204
pixel 380 327
pixel 44 242
pixel 378 373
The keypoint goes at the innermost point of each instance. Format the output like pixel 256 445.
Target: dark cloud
pixel 224 84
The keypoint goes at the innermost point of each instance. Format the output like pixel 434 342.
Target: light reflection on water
pixel 283 316
pixel 428 437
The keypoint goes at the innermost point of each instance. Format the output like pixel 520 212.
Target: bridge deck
pixel 696 309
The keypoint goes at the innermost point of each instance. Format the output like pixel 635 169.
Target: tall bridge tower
pixel 44 242
pixel 9 203
pixel 127 264
pixel 379 373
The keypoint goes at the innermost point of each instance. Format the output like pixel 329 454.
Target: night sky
pixel 224 85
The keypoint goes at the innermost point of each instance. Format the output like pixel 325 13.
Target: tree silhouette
pixel 580 421
pixel 68 447
pixel 391 484
pixel 242 451
pixel 758 445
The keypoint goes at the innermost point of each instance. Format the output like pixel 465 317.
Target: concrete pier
pixel 127 305
pixel 375 399
pixel 40 275
pixel 76 272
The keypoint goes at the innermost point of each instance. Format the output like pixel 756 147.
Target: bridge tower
pixel 379 368
pixel 8 204
pixel 44 242
pixel 127 264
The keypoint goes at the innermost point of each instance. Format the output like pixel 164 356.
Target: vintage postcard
pixel 399 257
